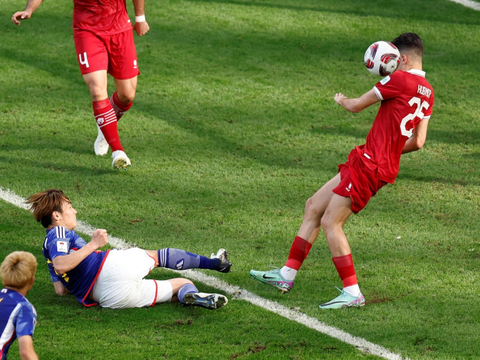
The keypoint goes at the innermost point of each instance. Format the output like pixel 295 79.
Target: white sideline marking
pixel 241 294
pixel 468 3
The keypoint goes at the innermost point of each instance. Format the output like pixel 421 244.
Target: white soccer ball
pixel 382 58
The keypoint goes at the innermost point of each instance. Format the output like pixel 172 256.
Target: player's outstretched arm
pixel 25 347
pixel 65 263
pixel 356 105
pixel 418 138
pixel 141 26
pixel 32 5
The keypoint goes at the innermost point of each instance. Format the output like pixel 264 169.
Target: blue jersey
pixel 79 281
pixel 17 318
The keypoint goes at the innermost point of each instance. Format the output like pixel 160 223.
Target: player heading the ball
pixel 400 127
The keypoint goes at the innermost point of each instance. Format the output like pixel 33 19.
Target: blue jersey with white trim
pixel 79 281
pixel 17 318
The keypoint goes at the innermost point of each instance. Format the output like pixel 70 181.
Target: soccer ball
pixel 382 58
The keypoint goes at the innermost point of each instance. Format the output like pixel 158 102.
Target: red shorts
pixel 357 182
pixel 114 53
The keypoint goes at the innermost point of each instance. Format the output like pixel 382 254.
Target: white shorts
pixel 121 282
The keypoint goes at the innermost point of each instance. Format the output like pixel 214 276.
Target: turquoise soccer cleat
pixel 273 278
pixel 344 300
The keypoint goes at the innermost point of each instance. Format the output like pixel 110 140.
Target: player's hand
pixel 339 97
pixel 141 28
pixel 20 15
pixel 99 238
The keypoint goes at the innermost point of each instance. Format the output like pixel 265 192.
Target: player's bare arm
pixel 141 26
pixel 356 105
pixel 418 138
pixel 25 347
pixel 60 289
pixel 32 5
pixel 63 264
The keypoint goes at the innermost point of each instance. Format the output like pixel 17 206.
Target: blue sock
pixel 185 289
pixel 181 260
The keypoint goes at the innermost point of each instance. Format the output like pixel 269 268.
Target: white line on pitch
pixel 241 294
pixel 468 3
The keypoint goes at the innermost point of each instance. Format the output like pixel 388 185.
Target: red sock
pixel 107 122
pixel 298 253
pixel 118 106
pixel 344 265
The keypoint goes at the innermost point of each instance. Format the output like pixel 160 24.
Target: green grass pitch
pixel 234 126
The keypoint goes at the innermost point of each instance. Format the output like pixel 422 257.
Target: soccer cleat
pixel 101 145
pixel 223 265
pixel 274 278
pixel 344 300
pixel 208 301
pixel 120 160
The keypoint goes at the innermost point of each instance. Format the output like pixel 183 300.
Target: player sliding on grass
pixel 399 127
pixel 115 278
pixel 103 37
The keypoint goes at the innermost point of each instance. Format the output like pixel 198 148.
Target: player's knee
pixel 326 223
pixel 126 96
pixel 312 210
pixel 98 93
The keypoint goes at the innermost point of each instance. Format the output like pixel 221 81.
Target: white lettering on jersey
pixel 385 80
pixel 62 246
pixel 422 90
pixel 418 113
pixel 84 61
pixel 134 64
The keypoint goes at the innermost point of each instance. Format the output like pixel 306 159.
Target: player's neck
pixel 22 291
pixel 410 66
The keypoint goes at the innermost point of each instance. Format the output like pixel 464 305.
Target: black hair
pixel 409 42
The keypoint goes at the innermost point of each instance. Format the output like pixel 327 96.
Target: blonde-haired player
pixel 17 315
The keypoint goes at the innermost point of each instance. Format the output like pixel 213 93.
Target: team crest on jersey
pixel 62 246
pixel 4 291
pixel 179 265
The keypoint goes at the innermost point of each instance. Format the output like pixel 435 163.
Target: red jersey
pixel 407 98
pixel 101 17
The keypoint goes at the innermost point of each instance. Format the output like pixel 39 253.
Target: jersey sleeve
pixel 390 86
pixel 58 247
pixel 51 270
pixel 26 320
pixel 428 113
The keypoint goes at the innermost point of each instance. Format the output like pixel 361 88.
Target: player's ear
pixel 56 216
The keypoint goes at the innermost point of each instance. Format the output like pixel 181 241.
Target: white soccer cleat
pixel 100 145
pixel 120 160
pixel 208 301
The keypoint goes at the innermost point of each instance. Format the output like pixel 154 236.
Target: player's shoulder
pixel 61 232
pixel 395 78
pixel 14 297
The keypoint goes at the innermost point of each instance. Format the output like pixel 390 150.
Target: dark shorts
pixel 115 53
pixel 357 182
